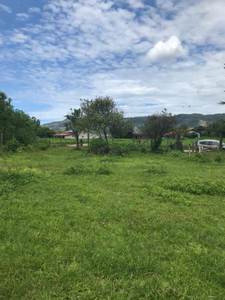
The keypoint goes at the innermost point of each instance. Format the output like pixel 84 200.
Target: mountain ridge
pixel 191 120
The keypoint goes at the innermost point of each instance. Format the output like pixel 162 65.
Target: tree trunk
pixel 105 134
pixel 77 140
pixel 88 136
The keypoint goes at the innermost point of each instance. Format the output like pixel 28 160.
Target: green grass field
pixel 143 226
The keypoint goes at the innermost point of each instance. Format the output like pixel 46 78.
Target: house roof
pixel 63 134
pixel 172 132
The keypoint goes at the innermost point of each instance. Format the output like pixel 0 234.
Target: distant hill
pixel 191 120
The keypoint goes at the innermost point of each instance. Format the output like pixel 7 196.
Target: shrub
pixel 218 158
pixel 42 145
pixel 196 186
pixel 75 170
pixel 104 170
pixel 12 145
pixel 97 144
pixel 143 150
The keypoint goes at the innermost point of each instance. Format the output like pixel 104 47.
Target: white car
pixel 210 144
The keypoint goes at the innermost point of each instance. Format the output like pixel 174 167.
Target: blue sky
pixel 147 55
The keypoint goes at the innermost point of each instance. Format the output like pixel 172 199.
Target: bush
pixel 196 186
pixel 218 158
pixel 42 145
pixel 191 135
pixel 12 145
pixel 104 170
pixel 143 150
pixel 75 170
pixel 97 144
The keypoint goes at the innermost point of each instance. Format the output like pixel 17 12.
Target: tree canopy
pixel 15 123
pixel 107 119
pixel 157 125
pixel 75 123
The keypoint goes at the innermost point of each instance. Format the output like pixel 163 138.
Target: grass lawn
pixel 143 226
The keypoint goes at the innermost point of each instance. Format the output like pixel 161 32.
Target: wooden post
pixel 221 140
pixel 196 147
pixel 167 144
pixel 189 150
pixel 193 147
pixel 49 142
pixel 147 143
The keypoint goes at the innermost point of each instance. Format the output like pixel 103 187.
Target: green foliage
pixel 12 179
pixel 96 144
pixel 143 150
pixel 157 125
pixel 106 119
pixel 12 145
pixel 104 170
pixel 42 145
pixel 76 170
pixel 215 128
pixel 155 169
pixel 196 186
pixel 191 135
pixel 125 148
pixel 81 169
pixel 75 123
pixel 218 158
pixel 45 132
pixel 164 195
pixel 15 123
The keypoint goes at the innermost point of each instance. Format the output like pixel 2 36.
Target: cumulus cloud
pixel 5 8
pixel 22 17
pixel 34 10
pixel 167 51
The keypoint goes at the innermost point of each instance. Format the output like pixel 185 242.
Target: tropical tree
pixel 157 125
pixel 75 123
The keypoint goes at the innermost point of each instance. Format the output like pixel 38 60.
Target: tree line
pixel 100 116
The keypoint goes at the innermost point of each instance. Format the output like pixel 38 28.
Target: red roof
pixel 63 134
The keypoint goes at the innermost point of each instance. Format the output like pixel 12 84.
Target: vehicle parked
pixel 210 144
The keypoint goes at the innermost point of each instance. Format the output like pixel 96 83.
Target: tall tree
pixel 157 125
pixel 15 123
pixel 75 123
pixel 87 116
pixel 6 116
pixel 105 115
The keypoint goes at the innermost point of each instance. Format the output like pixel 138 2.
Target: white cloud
pixel 5 8
pixel 22 17
pixel 34 10
pixel 84 48
pixel 19 38
pixel 136 4
pixel 167 51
